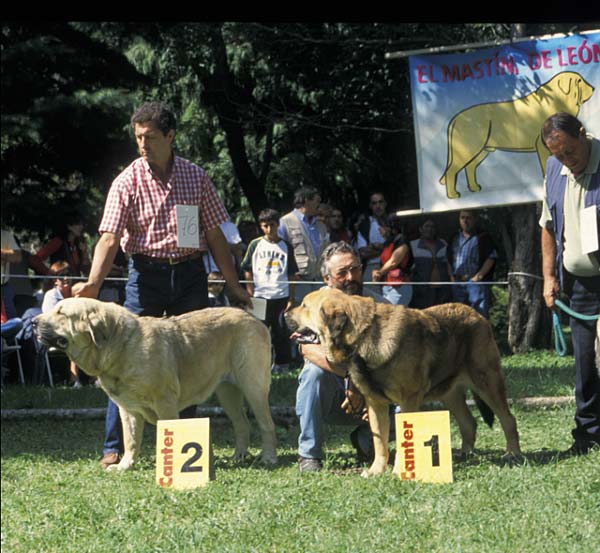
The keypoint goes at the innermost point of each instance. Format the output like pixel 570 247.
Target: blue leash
pixel 559 338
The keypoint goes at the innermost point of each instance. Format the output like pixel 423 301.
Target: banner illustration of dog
pixel 494 101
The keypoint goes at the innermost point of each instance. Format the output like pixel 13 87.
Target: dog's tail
pixel 486 413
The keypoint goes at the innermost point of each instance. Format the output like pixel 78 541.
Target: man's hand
pixel 354 402
pixel 86 290
pixel 239 296
pixel 377 275
pixel 551 291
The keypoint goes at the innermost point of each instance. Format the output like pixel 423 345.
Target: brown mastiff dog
pixel 408 356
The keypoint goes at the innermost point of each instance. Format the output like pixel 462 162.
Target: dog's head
pixel 336 319
pixel 571 91
pixel 76 326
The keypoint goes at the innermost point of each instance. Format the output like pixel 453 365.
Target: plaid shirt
pixel 141 209
pixel 466 260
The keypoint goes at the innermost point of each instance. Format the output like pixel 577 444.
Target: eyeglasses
pixel 342 273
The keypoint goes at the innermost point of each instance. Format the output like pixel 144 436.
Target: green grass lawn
pixel 56 498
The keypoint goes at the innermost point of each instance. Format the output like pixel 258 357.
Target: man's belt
pixel 166 260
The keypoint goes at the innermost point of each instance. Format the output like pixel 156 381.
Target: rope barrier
pixel 315 282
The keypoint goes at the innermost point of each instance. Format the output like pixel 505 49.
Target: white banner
pixel 478 117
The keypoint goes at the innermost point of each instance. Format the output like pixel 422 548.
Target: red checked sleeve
pixel 117 205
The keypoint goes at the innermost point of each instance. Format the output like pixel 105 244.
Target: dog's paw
pixel 240 456
pixel 513 459
pixel 460 456
pixel 269 459
pixel 377 468
pixel 121 466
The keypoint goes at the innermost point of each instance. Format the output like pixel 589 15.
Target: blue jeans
pixel 156 289
pixel 318 400
pixel 475 295
pixel 8 298
pixel 585 299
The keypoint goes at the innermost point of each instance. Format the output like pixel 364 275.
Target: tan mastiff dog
pixel 153 368
pixel 408 357
pixel 513 126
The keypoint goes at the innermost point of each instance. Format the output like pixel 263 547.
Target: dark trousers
pixel 280 334
pixel 154 290
pixel 585 300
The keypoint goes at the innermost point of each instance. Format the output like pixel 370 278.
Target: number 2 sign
pixel 423 447
pixel 183 453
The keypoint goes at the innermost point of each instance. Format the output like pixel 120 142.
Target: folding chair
pixel 47 353
pixel 13 347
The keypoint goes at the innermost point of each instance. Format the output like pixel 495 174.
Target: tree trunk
pixel 528 318
pixel 220 93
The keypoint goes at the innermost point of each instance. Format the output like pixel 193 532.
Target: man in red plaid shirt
pixel 140 215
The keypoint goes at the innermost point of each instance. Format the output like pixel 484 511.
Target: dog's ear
pixel 336 320
pixel 98 328
pixel 348 319
pixel 564 83
pixel 361 311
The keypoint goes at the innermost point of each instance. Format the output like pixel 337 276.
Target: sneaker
pixel 363 455
pixel 309 465
pixel 76 384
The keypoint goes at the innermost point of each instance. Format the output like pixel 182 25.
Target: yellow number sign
pixel 423 446
pixel 183 453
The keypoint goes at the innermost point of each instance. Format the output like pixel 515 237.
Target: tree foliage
pixel 65 104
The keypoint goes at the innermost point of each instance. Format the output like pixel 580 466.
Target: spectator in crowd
pixel 472 257
pixel 371 235
pixel 337 229
pixel 431 264
pixel 60 289
pixel 572 185
pixel 23 289
pixel 68 244
pixel 216 290
pixel 269 267
pixel 164 278
pixel 321 398
pixel 10 253
pixel 307 235
pixel 323 214
pixel 396 262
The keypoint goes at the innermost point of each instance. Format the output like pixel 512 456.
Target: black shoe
pixel 581 447
pixel 363 456
pixel 309 465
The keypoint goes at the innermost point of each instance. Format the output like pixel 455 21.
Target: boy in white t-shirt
pixel 269 265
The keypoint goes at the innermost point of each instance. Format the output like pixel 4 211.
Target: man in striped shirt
pixel 140 215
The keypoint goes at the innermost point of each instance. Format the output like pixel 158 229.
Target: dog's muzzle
pixel 47 337
pixel 305 336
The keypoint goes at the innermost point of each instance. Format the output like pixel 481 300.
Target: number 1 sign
pixel 423 447
pixel 183 453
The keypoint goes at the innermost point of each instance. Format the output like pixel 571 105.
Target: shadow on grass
pixel 499 458
pixel 76 440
